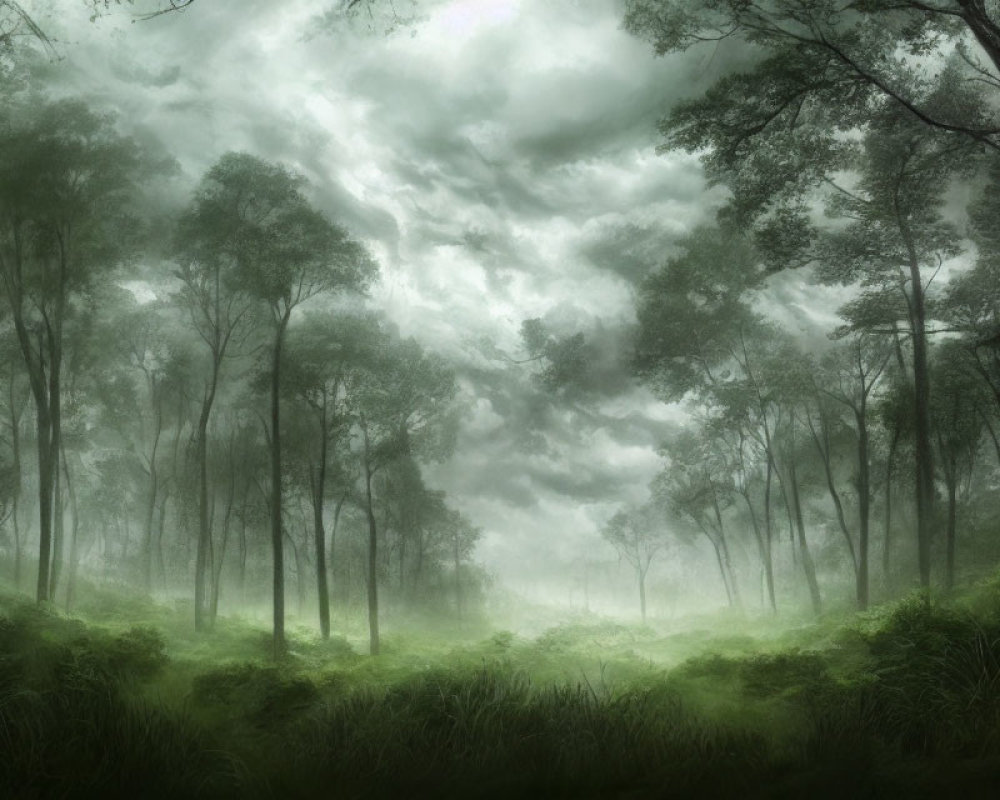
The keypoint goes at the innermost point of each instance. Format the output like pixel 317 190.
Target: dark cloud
pixel 500 162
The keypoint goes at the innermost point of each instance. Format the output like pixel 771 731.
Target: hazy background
pixel 499 158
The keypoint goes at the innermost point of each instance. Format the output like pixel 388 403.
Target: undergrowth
pixel 902 701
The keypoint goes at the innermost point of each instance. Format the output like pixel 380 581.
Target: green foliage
pixel 902 700
pixel 69 728
pixel 263 695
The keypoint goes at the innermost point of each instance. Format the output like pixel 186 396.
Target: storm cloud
pixel 499 158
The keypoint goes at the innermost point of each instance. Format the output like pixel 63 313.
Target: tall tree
pixel 957 414
pixel 825 77
pixel 67 184
pixel 279 251
pixel 326 355
pixel 460 536
pixel 208 250
pixel 637 534
pixel 849 377
pixel 895 235
pixel 404 404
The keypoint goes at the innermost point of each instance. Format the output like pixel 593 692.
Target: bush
pixel 261 695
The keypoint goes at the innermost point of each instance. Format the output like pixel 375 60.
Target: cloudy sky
pixel 499 157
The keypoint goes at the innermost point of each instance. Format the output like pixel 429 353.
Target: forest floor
pixel 123 699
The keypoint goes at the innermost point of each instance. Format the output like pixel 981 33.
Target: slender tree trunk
pixel 373 632
pixel 58 524
pixel 808 567
pixel 641 573
pixel 319 534
pixel 301 559
pixel 147 555
pixel 218 563
pixel 823 448
pixel 243 544
pixel 161 566
pixel 277 539
pixel 44 450
pixel 18 552
pixel 34 355
pixel 864 505
pixel 887 540
pixel 737 600
pixel 458 585
pixel 204 522
pixel 15 409
pixel 769 514
pixel 763 549
pixel 74 546
pixel 949 577
pixel 333 542
pixel 722 569
pixel 924 465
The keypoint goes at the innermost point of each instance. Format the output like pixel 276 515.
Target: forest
pixel 375 422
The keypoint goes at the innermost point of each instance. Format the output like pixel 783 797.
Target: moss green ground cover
pixel 126 701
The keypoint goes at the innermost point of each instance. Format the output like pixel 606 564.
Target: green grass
pixel 903 701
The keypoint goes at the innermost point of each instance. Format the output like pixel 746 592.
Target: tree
pixel 894 235
pixel 14 401
pixel 957 416
pixel 822 64
pixel 280 252
pixel 461 537
pixel 849 377
pixel 826 78
pixel 403 407
pixel 67 185
pixel 972 302
pixel 208 249
pixel 638 534
pixel 325 356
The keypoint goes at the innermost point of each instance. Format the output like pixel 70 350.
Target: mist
pixel 445 398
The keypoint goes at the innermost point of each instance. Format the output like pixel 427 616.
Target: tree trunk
pixel 58 523
pixel 769 525
pixel 823 448
pixel 458 586
pixel 333 542
pixel 983 24
pixel 15 446
pixel 924 465
pixel 147 554
pixel 319 533
pixel 887 541
pixel 243 545
pixel 44 452
pixel 949 576
pixel 373 632
pixel 642 592
pixel 763 549
pixel 204 524
pixel 277 539
pixel 35 361
pixel 161 566
pixel 74 546
pixel 722 569
pixel 864 505
pixel 808 568
pixel 218 563
pixel 737 601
